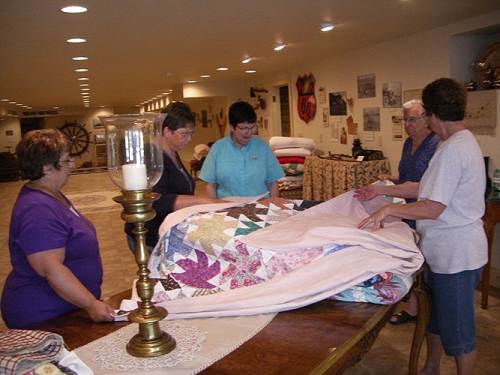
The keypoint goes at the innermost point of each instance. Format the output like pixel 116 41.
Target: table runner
pixel 200 343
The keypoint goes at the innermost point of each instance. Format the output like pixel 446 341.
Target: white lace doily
pixel 109 352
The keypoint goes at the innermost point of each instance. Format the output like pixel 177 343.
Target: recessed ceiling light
pixel 246 61
pixel 80 58
pixel 4 100
pixel 81 70
pixel 74 9
pixel 85 89
pixel 205 76
pixel 55 107
pixel 83 79
pixel 164 93
pixel 222 68
pixel 76 40
pixel 191 81
pixel 12 103
pixel 84 84
pixel 250 71
pixel 327 27
pixel 279 46
pixel 19 104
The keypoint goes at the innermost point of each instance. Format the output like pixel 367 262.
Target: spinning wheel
pixel 78 138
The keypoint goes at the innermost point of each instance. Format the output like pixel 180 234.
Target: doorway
pixel 284 108
pixel 31 123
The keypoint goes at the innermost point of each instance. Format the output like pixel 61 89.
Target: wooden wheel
pixel 78 138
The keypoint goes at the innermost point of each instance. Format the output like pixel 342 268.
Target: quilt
pixel 211 252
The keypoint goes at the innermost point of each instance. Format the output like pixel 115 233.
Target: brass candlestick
pixel 151 341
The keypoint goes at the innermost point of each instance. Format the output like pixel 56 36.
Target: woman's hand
pixel 376 220
pixel 100 311
pixel 366 193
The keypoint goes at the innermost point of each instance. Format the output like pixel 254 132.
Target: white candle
pixel 134 177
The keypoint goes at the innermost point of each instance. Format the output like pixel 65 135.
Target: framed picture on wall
pixel 366 86
pixel 391 95
pixel 371 119
pixel 338 103
pixel 204 119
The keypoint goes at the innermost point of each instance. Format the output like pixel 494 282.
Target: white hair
pixel 410 103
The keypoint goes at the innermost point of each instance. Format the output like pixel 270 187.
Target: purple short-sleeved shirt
pixel 39 222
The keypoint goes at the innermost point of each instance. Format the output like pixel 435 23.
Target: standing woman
pixel 448 212
pixel 56 265
pixel 241 164
pixel 176 185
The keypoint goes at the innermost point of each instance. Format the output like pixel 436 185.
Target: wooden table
pixel 491 218
pixel 326 337
pixel 325 178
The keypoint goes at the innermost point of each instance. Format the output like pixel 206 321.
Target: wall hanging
pixel 306 102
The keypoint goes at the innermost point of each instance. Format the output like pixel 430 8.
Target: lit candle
pixel 134 177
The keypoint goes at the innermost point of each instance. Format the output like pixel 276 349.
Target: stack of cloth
pixel 291 153
pixel 29 352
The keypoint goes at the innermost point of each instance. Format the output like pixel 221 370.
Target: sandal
pixel 402 317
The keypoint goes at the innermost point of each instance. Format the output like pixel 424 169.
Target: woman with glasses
pixel 241 164
pixel 418 150
pixel 56 265
pixel 176 185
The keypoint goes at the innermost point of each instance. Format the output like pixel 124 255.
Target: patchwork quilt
pixel 204 254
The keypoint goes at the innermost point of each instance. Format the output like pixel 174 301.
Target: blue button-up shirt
pixel 245 171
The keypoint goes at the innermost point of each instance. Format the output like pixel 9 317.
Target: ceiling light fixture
pixel 222 68
pixel 246 60
pixel 84 84
pixel 327 27
pixel 79 58
pixel 85 89
pixel 205 76
pixel 250 71
pixel 81 70
pixel 73 9
pixel 55 107
pixel 76 40
pixel 279 46
pixel 192 81
pixel 83 79
pixel 12 103
pixel 4 100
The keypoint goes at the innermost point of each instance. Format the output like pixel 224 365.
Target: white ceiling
pixel 138 49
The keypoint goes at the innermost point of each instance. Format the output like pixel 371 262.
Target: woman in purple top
pixel 418 150
pixel 56 265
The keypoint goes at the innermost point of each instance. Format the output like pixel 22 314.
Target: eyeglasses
pixel 185 133
pixel 413 119
pixel 245 128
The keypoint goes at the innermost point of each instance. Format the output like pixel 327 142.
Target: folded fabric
pixel 295 151
pixel 24 350
pixel 277 143
pixel 200 151
pixel 291 159
pixel 293 169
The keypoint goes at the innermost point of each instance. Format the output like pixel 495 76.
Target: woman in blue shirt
pixel 241 164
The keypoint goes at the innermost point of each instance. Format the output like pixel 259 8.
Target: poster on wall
pixel 366 86
pixel 412 94
pixel 322 95
pixel 326 117
pixel 338 103
pixel 306 101
pixel 391 95
pixel 371 119
pixel 343 136
pixel 352 127
pixel 397 127
pixel 335 130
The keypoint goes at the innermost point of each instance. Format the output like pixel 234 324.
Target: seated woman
pixel 176 185
pixel 241 164
pixel 56 265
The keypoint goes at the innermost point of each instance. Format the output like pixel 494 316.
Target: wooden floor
pixel 389 355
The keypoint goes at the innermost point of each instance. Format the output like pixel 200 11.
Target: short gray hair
pixel 410 103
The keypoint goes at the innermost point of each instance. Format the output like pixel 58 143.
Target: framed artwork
pixel 412 94
pixel 326 117
pixel 338 103
pixel 397 127
pixel 366 86
pixel 371 119
pixel 322 95
pixel 9 133
pixel 391 95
